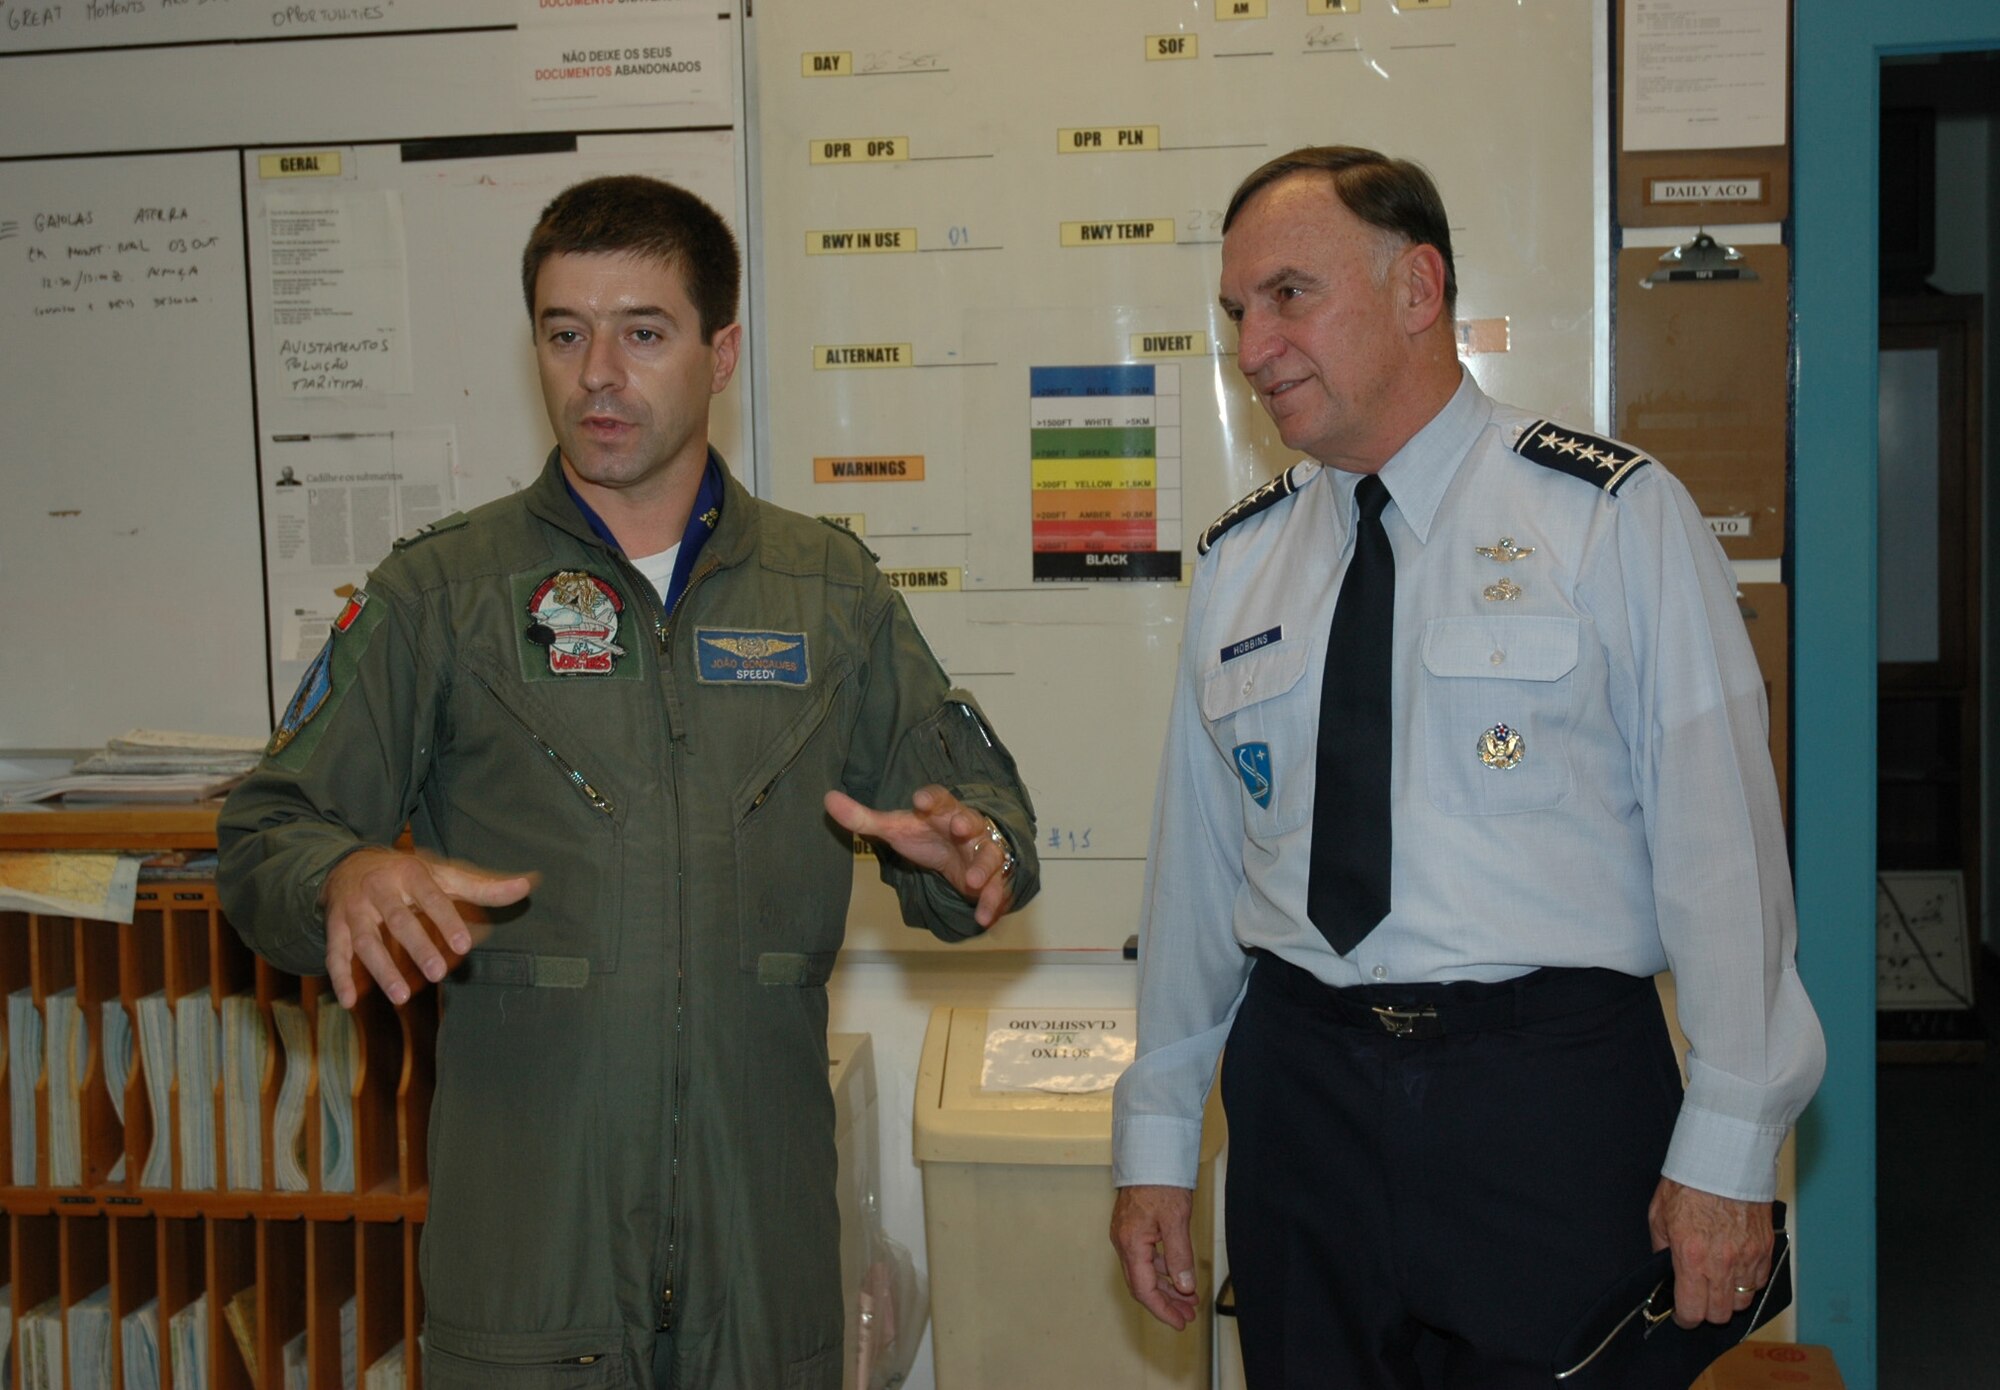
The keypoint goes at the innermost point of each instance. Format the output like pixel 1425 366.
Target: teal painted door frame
pixel 1836 89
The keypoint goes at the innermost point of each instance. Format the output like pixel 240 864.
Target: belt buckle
pixel 1406 1023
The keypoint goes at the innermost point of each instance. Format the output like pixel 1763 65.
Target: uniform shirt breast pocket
pixel 1499 697
pixel 1265 726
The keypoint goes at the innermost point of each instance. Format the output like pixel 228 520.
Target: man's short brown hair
pixel 639 216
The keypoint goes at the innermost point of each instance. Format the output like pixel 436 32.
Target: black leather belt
pixel 1461 1006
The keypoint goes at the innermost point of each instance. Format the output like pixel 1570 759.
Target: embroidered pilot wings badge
pixel 750 648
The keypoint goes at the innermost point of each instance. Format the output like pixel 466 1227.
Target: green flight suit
pixel 632 1127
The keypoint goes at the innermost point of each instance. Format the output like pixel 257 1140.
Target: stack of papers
pixel 90 1341
pixel 245 1044
pixel 149 765
pixel 241 1315
pixel 156 1059
pixel 117 1070
pixel 139 1333
pixel 297 1375
pixel 387 1372
pixel 67 1054
pixel 24 1069
pixel 349 1336
pixel 339 1061
pixel 195 1047
pixel 187 1332
pixel 41 1347
pixel 288 1119
pixel 167 750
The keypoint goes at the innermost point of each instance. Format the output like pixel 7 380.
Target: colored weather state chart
pixel 1106 445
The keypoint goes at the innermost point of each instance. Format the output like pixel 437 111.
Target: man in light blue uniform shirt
pixel 1448 1139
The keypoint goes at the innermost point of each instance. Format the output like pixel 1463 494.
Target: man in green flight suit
pixel 634 716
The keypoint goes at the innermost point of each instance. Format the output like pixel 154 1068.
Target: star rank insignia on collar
pixel 1604 462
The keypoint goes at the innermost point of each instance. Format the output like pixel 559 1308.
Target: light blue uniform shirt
pixel 1640 829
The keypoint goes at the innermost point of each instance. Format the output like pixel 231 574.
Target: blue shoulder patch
pixel 1602 462
pixel 1273 492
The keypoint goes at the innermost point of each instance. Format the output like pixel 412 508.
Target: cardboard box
pixel 1773 1366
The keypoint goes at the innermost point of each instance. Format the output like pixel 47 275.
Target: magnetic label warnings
pixel 874 468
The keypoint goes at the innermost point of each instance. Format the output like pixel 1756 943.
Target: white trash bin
pixel 1025 1288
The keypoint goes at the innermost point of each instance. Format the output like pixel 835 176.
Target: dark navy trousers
pixel 1411 1213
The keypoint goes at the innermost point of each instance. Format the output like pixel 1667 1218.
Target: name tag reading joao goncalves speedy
pixel 732 656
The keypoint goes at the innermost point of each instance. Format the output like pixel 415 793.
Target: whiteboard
pixel 33 26
pixel 128 505
pixel 132 493
pixel 958 205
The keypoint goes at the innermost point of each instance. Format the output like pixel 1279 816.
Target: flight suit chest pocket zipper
pixel 1499 699
pixel 573 915
pixel 582 785
pixel 781 837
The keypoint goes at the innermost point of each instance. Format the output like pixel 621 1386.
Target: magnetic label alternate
pixel 574 614
pixel 737 656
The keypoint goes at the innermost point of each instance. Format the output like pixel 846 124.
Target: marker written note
pixel 107 261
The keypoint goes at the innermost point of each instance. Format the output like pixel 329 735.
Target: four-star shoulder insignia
pixel 1279 488
pixel 1604 462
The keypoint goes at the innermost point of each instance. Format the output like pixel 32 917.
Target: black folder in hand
pixel 1629 1340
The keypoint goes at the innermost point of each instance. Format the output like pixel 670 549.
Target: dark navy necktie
pixel 1348 892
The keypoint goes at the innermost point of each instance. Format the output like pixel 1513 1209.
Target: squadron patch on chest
pixel 1603 462
pixel 574 615
pixel 735 656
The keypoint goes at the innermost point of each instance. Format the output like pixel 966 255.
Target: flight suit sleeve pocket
pixel 1499 698
pixel 1263 724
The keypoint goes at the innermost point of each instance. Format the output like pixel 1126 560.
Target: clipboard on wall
pixel 1700 384
pixel 1696 186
